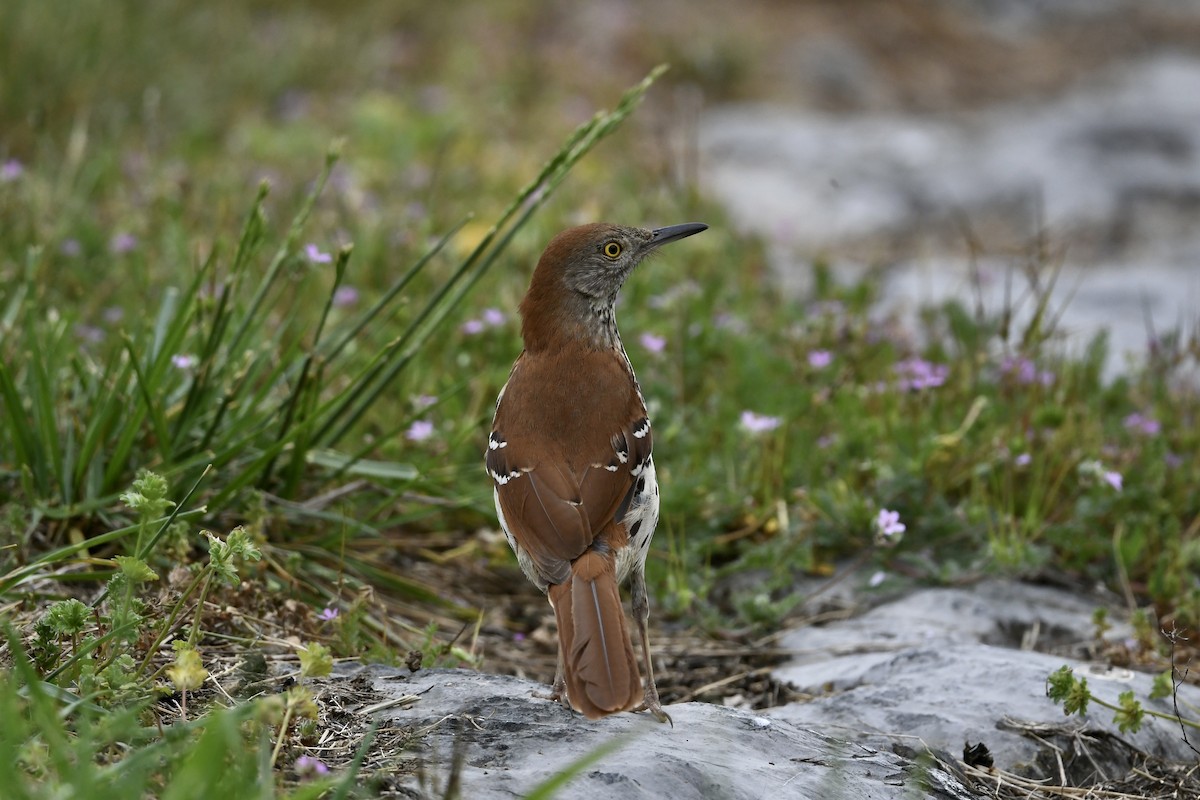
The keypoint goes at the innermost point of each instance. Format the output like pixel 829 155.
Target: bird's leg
pixel 641 613
pixel 558 690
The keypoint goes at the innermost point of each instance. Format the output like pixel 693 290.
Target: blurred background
pixel 919 134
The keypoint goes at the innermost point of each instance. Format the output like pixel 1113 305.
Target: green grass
pixel 52 740
pixel 253 279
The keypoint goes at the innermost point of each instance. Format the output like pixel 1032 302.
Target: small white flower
pixel 419 431
pixel 889 530
pixel 753 422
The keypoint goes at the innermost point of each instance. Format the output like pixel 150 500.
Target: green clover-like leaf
pixel 1063 687
pixel 315 661
pixel 242 545
pixel 188 671
pixel 1059 684
pixel 67 617
pixel 148 496
pixel 135 569
pixel 1163 686
pixel 220 560
pixel 1129 718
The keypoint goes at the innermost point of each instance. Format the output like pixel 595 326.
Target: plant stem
pixel 283 726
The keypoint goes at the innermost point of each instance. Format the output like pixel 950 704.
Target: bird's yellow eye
pixel 612 249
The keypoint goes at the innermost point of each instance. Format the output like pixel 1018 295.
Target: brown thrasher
pixel 569 456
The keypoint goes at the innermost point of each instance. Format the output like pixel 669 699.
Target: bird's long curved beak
pixel 673 233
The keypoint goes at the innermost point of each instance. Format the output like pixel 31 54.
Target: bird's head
pixel 579 275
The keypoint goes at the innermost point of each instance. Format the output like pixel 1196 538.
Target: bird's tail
pixel 599 667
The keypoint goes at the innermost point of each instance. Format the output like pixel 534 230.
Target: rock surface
pixel 897 692
pixel 949 666
pixel 1107 174
pixel 515 742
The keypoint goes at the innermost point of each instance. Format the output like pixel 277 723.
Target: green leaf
pixel 242 545
pixel 148 496
pixel 1059 684
pixel 315 661
pixel 188 671
pixel 1129 717
pixel 135 569
pixel 220 559
pixel 1063 687
pixel 367 468
pixel 1164 685
pixel 68 617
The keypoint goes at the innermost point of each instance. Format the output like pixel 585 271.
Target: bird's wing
pixel 541 505
pixel 607 486
pixel 565 456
